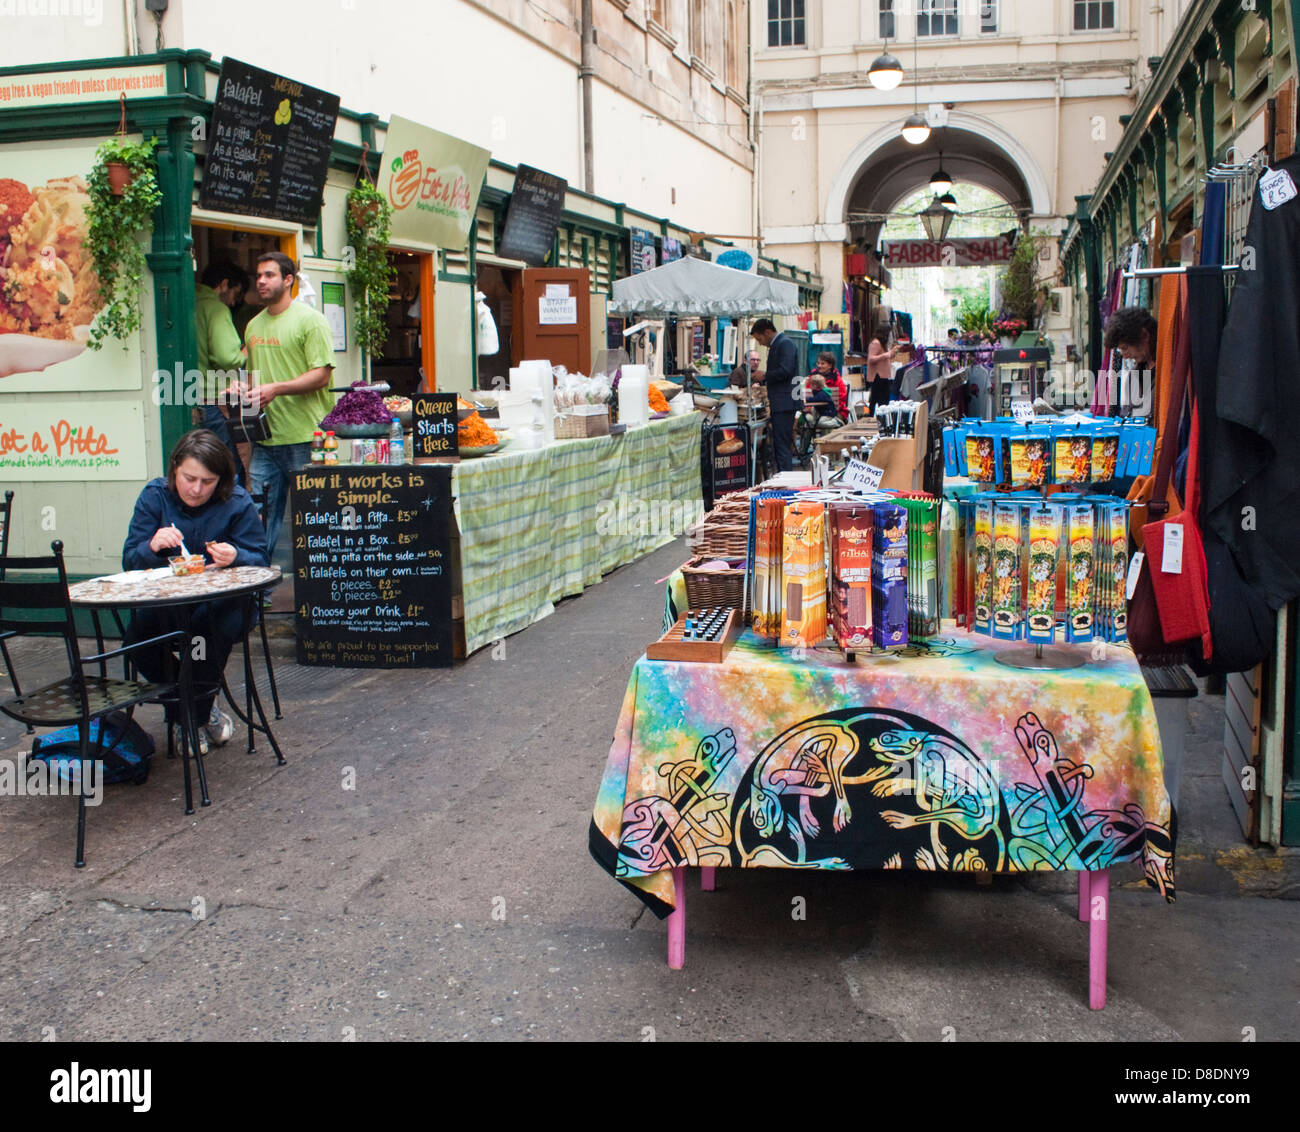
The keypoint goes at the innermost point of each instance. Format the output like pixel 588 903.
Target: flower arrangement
pixel 706 363
pixel 1010 327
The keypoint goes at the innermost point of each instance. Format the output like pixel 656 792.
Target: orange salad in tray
pixel 658 402
pixel 474 432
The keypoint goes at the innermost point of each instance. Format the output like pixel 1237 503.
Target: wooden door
pixel 552 317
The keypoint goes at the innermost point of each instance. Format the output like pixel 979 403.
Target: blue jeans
pixel 213 418
pixel 272 467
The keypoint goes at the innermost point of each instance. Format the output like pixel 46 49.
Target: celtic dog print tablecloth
pixel 937 758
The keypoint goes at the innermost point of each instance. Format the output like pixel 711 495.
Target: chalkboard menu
pixel 533 215
pixel 433 425
pixel 268 145
pixel 644 256
pixel 372 566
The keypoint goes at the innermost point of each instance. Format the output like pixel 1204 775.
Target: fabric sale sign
pixel 44 442
pixel 947 253
pixel 432 181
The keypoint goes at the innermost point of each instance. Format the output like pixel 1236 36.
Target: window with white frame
pixel 786 25
pixel 888 29
pixel 936 17
pixel 989 17
pixel 1094 15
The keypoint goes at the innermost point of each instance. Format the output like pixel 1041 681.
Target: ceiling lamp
pixel 940 183
pixel 916 129
pixel 949 202
pixel 886 72
pixel 937 220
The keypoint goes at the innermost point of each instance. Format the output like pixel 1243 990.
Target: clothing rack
pixel 1148 272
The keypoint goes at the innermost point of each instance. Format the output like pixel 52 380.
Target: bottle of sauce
pixel 318 447
pixel 331 448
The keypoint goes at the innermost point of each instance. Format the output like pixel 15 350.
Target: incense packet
pixel 1072 456
pixel 851 553
pixel 1030 457
pixel 1006 571
pixel 981 457
pixel 1118 521
pixel 982 570
pixel 1081 541
pixel 889 576
pixel 1105 453
pixel 803 571
pixel 1040 596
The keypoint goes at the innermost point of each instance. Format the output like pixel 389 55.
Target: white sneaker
pixel 220 727
pixel 203 741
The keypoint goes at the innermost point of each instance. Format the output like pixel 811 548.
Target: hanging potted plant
pixel 123 190
pixel 372 274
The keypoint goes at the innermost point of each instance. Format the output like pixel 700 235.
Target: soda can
pixel 381 450
pixel 364 452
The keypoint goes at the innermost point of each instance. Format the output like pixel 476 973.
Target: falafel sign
pixel 268 146
pixel 99 441
pixel 432 181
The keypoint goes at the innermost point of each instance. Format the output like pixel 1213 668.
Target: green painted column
pixel 171 262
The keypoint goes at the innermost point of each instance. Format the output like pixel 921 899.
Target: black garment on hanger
pixel 1251 474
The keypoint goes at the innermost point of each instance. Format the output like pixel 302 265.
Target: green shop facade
pixel 106 419
pixel 1223 93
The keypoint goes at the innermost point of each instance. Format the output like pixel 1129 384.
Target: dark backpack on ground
pixel 129 749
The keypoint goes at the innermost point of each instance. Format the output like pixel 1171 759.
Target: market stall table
pixel 935 758
pixel 538 525
pixel 181 594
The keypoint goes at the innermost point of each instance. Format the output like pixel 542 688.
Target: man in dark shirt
pixel 782 369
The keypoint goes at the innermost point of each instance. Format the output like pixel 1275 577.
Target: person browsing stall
pixel 880 372
pixel 290 360
pixel 746 373
pixel 834 384
pixel 782 369
pixel 200 505
pixel 220 352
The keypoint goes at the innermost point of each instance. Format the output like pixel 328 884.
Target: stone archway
pixel 976 149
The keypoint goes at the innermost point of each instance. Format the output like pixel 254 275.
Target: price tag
pixel 1276 188
pixel 863 477
pixel 1022 411
pixel 1171 560
pixel 1134 569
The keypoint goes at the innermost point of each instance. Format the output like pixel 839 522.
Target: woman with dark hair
pixel 198 503
pixel 839 392
pixel 880 372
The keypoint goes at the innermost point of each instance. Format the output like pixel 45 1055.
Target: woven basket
pixel 708 588
pixel 721 540
pixel 584 421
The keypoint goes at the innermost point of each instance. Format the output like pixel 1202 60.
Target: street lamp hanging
pixel 936 220
pixel 916 129
pixel 886 72
pixel 949 202
pixel 940 182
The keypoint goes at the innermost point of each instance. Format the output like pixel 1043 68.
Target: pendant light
pixel 949 202
pixel 940 182
pixel 916 129
pixel 886 72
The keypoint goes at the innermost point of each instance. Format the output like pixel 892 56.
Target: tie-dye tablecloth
pixel 938 758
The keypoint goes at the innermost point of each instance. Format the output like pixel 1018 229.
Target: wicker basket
pixel 582 421
pixel 721 540
pixel 708 588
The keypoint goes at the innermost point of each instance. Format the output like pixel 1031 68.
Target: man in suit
pixel 782 369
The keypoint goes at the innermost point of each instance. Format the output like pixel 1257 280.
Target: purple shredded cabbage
pixel 358 407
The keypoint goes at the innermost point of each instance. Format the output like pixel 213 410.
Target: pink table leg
pixel 708 879
pixel 1097 925
pixel 677 923
pixel 1085 890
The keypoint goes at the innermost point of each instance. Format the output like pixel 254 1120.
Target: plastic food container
pixel 183 565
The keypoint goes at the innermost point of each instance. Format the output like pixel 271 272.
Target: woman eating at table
pixel 198 508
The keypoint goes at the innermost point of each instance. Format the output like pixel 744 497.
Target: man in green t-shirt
pixel 290 360
pixel 221 353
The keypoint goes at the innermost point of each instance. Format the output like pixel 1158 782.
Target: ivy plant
pixel 372 274
pixel 114 227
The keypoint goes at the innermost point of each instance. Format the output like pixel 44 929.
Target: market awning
pixel 695 287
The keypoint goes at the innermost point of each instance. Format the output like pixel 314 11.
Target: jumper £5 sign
pixel 433 182
pixel 977 252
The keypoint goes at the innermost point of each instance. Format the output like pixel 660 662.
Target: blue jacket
pixel 235 521
pixel 782 369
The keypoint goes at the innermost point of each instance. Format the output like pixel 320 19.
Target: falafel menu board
pixel 268 145
pixel 372 566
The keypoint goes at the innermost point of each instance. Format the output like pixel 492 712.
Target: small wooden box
pixel 671 646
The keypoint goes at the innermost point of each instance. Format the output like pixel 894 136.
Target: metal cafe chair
pixel 6 513
pixel 259 501
pixel 80 698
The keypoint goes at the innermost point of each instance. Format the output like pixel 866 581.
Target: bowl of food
pixel 184 565
pixel 400 407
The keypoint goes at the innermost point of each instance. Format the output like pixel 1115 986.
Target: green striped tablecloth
pixel 543 524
